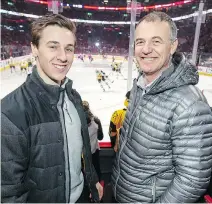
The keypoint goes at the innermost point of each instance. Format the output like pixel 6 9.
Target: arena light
pixel 119 8
pixel 139 8
pixel 97 44
pixel 101 22
pixel 77 5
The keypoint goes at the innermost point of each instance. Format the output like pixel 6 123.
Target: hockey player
pixel 116 123
pixel 24 66
pixel 116 68
pixel 29 61
pixel 90 58
pixel 106 77
pixel 80 56
pixel 104 56
pixel 12 64
pixel 101 78
pixel 114 65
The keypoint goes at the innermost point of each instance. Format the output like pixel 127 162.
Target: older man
pixel 165 151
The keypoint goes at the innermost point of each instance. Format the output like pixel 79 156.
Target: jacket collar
pixel 50 91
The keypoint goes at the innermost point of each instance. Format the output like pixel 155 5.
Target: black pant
pixel 84 198
pixel 96 163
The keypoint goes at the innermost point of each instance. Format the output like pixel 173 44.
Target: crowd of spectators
pixel 98 38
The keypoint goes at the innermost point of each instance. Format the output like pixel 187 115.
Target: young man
pixel 43 126
pixel 165 151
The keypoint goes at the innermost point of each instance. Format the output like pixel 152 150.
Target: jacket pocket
pixel 153 189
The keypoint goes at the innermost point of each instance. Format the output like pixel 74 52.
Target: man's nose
pixel 62 55
pixel 147 48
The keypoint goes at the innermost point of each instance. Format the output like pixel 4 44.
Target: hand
pixel 100 190
pixel 116 148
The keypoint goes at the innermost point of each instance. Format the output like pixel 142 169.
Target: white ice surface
pixel 102 104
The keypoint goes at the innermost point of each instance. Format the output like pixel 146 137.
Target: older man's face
pixel 153 46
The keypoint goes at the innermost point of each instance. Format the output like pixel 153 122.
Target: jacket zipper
pixel 127 132
pixel 121 149
pixel 62 122
pixel 154 189
pixel 68 112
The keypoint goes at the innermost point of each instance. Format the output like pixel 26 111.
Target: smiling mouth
pixel 59 66
pixel 148 59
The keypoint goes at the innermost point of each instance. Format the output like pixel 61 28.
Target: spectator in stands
pixel 165 151
pixel 95 133
pixel 44 131
pixel 116 123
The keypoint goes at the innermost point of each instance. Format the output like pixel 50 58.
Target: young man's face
pixel 55 52
pixel 153 47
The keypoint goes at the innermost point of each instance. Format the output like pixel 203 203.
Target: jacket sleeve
pixel 192 155
pixel 100 134
pixel 14 153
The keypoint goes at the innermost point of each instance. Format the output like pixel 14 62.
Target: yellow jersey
pixel 99 76
pixel 24 64
pixel 116 123
pixel 117 120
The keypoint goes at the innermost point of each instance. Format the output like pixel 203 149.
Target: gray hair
pixel 163 17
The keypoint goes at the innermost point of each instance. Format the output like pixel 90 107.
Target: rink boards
pixel 4 64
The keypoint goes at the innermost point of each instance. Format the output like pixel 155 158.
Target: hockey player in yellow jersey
pixel 12 64
pixel 102 79
pixel 114 66
pixel 116 123
pixel 24 66
pixel 116 69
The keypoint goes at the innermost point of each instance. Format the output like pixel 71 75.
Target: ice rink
pixel 102 104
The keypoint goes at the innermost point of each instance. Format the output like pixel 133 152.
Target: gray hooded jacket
pixel 166 141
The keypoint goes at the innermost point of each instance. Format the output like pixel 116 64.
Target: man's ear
pixel 34 50
pixel 174 46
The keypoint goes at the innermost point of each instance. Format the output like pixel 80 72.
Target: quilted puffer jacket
pixel 33 145
pixel 165 147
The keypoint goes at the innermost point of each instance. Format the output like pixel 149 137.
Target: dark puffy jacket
pixel 166 141
pixel 32 144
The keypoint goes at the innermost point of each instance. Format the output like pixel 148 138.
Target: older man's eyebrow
pixel 53 42
pixel 157 37
pixel 70 45
pixel 139 39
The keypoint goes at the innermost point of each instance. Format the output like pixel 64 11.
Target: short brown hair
pixel 50 19
pixel 163 17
